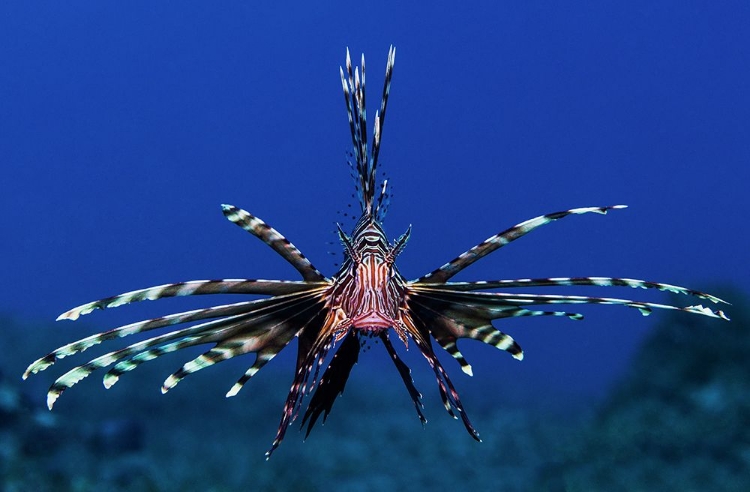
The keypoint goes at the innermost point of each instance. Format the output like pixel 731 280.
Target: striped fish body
pixel 368 289
pixel 367 297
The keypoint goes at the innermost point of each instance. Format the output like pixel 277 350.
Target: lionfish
pixel 367 297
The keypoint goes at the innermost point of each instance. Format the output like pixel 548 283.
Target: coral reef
pixel 678 420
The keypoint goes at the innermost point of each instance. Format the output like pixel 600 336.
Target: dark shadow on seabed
pixel 679 420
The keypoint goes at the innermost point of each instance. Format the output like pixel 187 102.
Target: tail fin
pixel 366 164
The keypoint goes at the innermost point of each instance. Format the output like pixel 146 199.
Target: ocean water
pixel 124 126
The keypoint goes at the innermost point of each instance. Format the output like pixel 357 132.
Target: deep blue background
pixel 124 125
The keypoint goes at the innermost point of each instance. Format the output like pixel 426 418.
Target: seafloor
pixel 680 420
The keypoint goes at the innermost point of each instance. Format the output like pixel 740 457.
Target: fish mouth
pixel 372 321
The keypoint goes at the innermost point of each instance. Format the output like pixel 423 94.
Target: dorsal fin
pixel 366 163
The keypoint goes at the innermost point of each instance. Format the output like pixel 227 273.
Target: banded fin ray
pixel 195 288
pixel 266 333
pixel 191 336
pixel 365 167
pixel 380 115
pixel 569 281
pixel 274 239
pixel 314 342
pixel 450 321
pixel 154 323
pixel 500 239
pixel 500 300
pixel 451 400
pixel 112 376
pixel 405 374
pixel 272 331
pixel 253 329
pixel 274 346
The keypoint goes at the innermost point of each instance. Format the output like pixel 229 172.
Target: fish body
pixel 367 297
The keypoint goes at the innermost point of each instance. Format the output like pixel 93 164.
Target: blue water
pixel 124 125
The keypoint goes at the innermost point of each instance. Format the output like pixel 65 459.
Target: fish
pixel 367 298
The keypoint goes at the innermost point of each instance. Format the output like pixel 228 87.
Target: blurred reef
pixel 678 420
